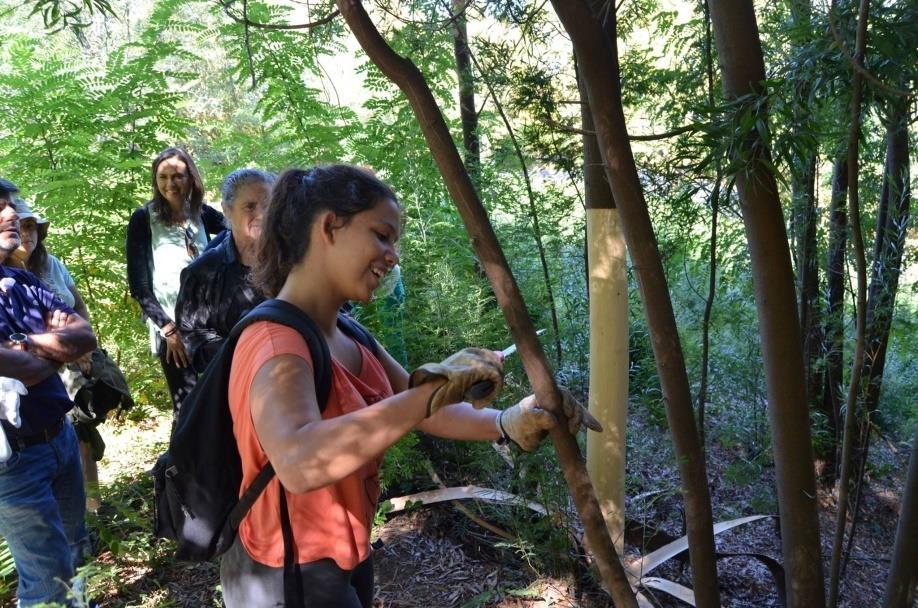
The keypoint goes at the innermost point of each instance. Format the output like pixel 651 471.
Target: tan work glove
pixel 473 374
pixel 526 424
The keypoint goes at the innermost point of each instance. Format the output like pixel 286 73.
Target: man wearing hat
pixel 42 500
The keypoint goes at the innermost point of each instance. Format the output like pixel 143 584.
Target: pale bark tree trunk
pixel 743 71
pixel 599 68
pixel 608 288
pixel 410 80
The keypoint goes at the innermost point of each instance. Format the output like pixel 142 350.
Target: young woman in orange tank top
pixel 329 236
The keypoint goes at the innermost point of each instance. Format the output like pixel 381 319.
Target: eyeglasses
pixel 190 246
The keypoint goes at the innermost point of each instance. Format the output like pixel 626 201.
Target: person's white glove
pixel 10 391
pixel 526 424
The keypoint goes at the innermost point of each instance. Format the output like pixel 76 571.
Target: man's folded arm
pixel 65 342
pixel 25 367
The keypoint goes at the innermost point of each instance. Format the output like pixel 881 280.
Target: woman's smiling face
pixel 172 181
pixel 368 246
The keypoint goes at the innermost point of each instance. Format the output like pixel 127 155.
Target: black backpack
pixel 197 481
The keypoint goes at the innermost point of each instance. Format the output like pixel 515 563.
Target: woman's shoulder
pixel 264 340
pixel 55 265
pixel 142 211
pixel 212 219
pixel 140 217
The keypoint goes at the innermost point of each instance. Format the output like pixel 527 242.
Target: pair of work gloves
pixel 476 375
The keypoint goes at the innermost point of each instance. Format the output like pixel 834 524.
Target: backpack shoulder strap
pixel 278 311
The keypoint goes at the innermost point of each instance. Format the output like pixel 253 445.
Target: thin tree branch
pixel 226 4
pixel 248 42
pixel 533 214
pixel 857 66
pixel 648 137
pixel 667 134
pixel 438 24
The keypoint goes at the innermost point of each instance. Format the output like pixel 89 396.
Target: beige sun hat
pixel 24 211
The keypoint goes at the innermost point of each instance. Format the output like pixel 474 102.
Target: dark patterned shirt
pixel 25 302
pixel 215 294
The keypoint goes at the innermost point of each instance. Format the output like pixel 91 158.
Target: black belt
pixel 17 444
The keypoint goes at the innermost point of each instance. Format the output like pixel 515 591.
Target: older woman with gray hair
pixel 215 290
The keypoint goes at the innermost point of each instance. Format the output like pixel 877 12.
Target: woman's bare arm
pixel 308 452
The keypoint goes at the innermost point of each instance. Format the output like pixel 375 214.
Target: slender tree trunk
pixel 903 569
pixel 804 217
pixel 889 247
pixel 892 220
pixel 808 274
pixel 410 80
pixel 598 64
pixel 743 71
pixel 533 216
pixel 467 109
pixel 834 332
pixel 708 309
pixel 712 257
pixel 854 219
pixel 608 289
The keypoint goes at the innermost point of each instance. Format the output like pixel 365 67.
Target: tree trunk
pixel 712 255
pixel 804 216
pixel 892 222
pixel 743 71
pixel 854 220
pixel 598 64
pixel 834 332
pixel 804 195
pixel 608 289
pixel 467 110
pixel 903 569
pixel 410 80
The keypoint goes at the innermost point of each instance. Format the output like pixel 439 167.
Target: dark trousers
pixel 180 380
pixel 249 584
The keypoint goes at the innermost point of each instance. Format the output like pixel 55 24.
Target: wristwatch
pixel 19 341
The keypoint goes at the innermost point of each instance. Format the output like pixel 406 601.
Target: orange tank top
pixel 331 522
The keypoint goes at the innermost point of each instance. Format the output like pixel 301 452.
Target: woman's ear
pixel 328 223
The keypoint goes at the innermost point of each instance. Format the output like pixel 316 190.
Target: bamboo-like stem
pixel 533 211
pixel 854 218
pixel 410 80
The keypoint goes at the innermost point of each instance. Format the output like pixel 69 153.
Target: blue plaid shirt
pixel 24 304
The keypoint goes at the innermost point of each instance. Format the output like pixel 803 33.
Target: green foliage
pixel 60 14
pixel 78 136
pixel 78 140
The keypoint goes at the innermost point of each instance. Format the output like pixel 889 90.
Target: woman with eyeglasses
pixel 163 237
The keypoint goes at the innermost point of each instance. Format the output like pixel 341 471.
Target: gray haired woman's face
pixel 247 211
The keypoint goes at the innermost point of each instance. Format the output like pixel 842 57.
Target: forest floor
pixel 434 557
